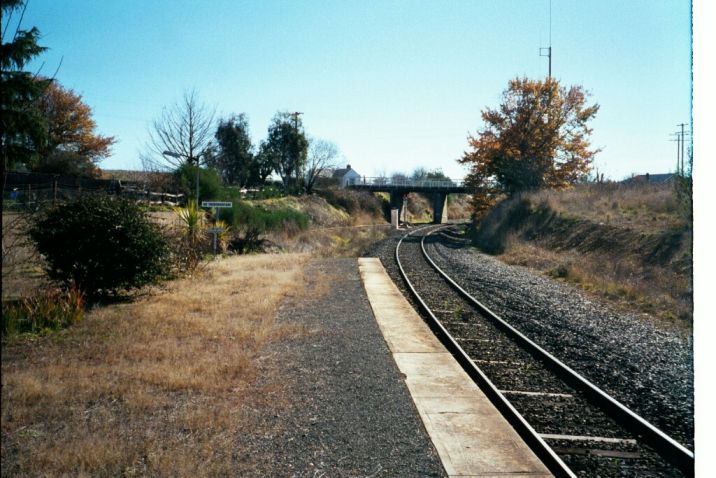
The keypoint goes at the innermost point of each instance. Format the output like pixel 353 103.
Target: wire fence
pixel 18 197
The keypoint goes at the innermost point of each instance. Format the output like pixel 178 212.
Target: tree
pixel 537 138
pixel 287 147
pixel 100 244
pixel 23 128
pixel 73 146
pixel 263 163
pixel 234 159
pixel 422 174
pixel 185 130
pixel 322 155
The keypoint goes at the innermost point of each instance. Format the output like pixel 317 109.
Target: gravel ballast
pixel 349 411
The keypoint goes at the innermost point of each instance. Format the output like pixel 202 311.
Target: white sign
pixel 216 204
pixel 215 230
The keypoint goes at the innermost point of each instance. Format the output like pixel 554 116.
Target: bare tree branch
pixel 185 129
pixel 322 155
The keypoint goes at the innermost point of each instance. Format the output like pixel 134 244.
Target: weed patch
pixel 49 310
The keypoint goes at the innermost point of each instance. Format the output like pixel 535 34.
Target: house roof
pixel 339 173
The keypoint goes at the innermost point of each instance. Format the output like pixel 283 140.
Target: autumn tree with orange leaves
pixel 537 138
pixel 73 146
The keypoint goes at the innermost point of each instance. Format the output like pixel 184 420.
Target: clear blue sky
pixel 395 84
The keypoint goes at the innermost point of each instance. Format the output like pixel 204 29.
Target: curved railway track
pixel 573 426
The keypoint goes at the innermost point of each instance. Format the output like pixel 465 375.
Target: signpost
pixel 215 231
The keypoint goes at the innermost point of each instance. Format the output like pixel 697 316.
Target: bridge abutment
pixel 397 202
pixel 440 208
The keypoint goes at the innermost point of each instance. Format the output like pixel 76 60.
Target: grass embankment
pixel 628 243
pixel 152 387
pixel 340 223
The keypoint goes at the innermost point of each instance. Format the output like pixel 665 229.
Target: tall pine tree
pixel 23 127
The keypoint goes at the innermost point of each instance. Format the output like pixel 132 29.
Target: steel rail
pixel 671 450
pixel 533 440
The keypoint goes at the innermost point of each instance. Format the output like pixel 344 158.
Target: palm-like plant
pixel 192 220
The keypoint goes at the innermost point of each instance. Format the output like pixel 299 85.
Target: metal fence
pixel 406 182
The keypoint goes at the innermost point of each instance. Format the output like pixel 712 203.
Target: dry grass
pixel 153 387
pixel 630 244
pixel 336 241
pixel 333 232
pixel 459 207
pixel 22 272
pixel 640 207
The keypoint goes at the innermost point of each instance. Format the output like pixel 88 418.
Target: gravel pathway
pixel 349 413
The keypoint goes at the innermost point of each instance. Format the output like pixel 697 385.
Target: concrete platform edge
pixel 471 436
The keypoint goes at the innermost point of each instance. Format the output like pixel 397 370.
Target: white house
pixel 346 176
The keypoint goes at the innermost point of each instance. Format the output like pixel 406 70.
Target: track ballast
pixel 590 441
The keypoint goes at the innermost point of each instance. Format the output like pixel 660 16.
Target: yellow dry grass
pixel 640 207
pixel 153 387
pixel 21 270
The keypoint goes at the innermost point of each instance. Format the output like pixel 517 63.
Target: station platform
pixel 471 437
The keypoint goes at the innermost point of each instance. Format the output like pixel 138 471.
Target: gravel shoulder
pixel 342 407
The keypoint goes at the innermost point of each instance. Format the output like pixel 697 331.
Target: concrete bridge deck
pixel 438 189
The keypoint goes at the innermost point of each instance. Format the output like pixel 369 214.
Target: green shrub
pixel 250 222
pixel 244 215
pixel 100 244
pixel 209 183
pixel 51 310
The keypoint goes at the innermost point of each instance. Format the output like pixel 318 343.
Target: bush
pixel 209 183
pixel 100 244
pixel 50 310
pixel 250 222
pixel 189 245
pixel 243 215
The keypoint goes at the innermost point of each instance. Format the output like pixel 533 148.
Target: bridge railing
pixel 406 182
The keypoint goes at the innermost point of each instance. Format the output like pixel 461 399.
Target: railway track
pixel 572 425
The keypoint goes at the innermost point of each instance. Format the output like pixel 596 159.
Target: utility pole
pixel 683 140
pixel 678 152
pixel 549 48
pixel 295 115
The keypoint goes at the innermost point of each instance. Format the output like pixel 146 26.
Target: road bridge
pixel 398 188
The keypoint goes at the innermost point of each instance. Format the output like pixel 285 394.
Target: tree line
pixel 184 137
